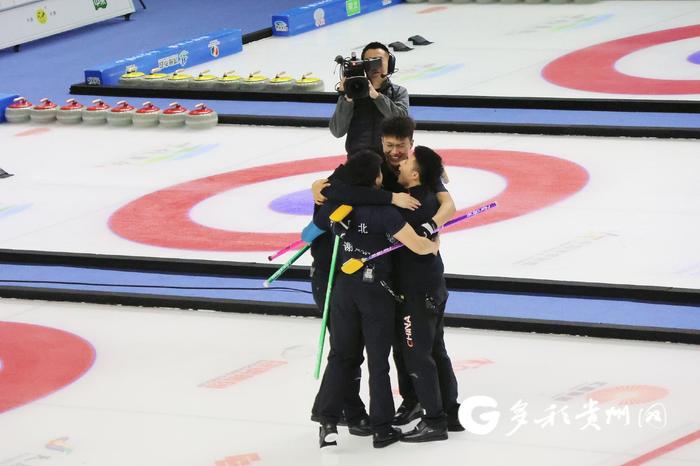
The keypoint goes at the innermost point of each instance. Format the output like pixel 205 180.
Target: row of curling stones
pixel 254 82
pixel 123 114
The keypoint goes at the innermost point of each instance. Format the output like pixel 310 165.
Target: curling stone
pixel 155 79
pixel 308 83
pixel 71 113
pixel 146 116
pixel 132 78
pixel 203 81
pixel 255 82
pixel 18 111
pixel 281 83
pixel 173 116
pixel 230 81
pixel 201 117
pixel 96 114
pixel 121 115
pixel 45 112
pixel 178 80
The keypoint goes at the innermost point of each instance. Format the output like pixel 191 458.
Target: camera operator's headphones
pixel 391 69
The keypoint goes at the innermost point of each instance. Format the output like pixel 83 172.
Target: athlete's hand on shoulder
pixel 316 188
pixel 404 201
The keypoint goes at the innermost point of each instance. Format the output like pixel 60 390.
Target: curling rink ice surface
pixel 113 385
pixel 87 384
pixel 599 210
pixel 608 49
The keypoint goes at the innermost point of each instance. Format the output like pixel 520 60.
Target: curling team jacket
pixel 369 230
pixel 362 119
pixel 340 191
pixel 416 274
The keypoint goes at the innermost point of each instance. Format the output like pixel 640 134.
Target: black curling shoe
pixel 425 433
pixel 327 435
pixel 361 428
pixel 453 424
pixel 406 413
pixel 385 439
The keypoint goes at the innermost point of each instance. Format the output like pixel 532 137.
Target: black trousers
pixel 353 406
pixel 362 314
pixel 422 347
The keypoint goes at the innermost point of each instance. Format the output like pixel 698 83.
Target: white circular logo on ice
pixel 489 419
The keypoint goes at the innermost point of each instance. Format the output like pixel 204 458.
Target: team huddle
pixel 395 301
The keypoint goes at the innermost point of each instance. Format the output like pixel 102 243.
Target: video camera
pixel 355 71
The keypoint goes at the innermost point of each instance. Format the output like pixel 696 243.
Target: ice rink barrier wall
pixel 183 54
pixel 323 13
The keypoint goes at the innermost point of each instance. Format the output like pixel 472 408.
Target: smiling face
pixel 396 149
pixel 408 172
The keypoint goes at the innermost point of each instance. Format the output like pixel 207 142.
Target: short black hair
pixel 374 45
pixel 363 167
pixel 429 166
pixel 399 126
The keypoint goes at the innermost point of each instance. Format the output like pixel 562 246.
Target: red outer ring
pixel 162 218
pixel 37 361
pixel 593 68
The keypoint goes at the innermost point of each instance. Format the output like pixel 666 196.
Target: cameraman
pixel 361 119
